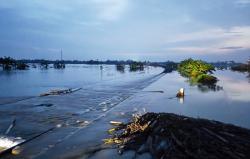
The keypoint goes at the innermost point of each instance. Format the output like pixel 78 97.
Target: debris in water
pixel 155 91
pixel 45 105
pixel 166 135
pixel 61 92
pixel 16 151
pixel 9 142
pixel 116 123
pixel 10 127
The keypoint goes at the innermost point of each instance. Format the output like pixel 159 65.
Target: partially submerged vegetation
pixel 242 67
pixel 136 66
pixel 165 135
pixel 120 67
pixel 197 71
pixel 59 65
pixel 8 63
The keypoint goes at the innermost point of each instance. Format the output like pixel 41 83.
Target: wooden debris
pixel 171 136
pixel 10 127
pixel 16 151
pixel 60 92
pixel 116 123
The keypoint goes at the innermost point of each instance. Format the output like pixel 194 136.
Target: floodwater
pixel 82 117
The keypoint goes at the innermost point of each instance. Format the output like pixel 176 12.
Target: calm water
pixel 102 89
pixel 229 102
pixel 106 95
pixel 36 81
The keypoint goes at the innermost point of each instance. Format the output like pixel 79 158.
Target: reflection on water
pixel 206 88
pixel 230 104
pixel 181 100
pixel 36 80
pixel 104 96
pixel 236 85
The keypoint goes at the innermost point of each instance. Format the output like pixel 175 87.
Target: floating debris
pixel 16 151
pixel 45 105
pixel 169 136
pixel 9 142
pixel 155 91
pixel 116 123
pixel 12 125
pixel 61 92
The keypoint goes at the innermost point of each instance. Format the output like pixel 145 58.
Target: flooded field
pixel 81 118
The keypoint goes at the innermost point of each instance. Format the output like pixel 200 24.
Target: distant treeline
pixel 95 62
pixel 8 63
pixel 242 67
pixel 125 62
pixel 224 64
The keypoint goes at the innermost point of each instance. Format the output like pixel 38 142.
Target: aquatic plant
pixel 197 71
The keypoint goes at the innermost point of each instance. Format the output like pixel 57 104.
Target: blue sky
pixel 155 30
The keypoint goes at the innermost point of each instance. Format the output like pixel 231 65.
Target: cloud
pixel 110 9
pixel 231 48
pixel 242 2
pixel 216 40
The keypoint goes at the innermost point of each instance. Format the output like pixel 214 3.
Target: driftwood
pixel 8 150
pixel 12 125
pixel 60 92
pixel 171 136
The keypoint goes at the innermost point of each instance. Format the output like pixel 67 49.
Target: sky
pixel 154 30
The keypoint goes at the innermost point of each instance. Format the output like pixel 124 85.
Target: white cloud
pixel 218 40
pixel 242 2
pixel 110 9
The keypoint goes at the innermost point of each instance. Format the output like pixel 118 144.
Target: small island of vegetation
pixel 197 71
pixel 242 67
pixel 135 66
pixel 8 63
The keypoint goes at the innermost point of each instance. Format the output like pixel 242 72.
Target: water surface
pixel 107 94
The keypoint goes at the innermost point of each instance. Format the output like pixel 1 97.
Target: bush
pixel 197 71
pixel 206 79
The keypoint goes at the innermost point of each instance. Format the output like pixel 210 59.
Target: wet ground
pixel 83 117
